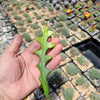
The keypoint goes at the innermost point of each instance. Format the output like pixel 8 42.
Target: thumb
pixel 15 45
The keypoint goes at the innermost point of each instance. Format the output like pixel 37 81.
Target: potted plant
pixel 67 92
pixel 9 9
pixel 90 3
pixel 96 6
pixel 73 52
pixel 69 14
pixel 63 10
pixel 76 12
pixel 38 33
pixel 34 26
pixel 22 29
pixel 97 19
pixel 93 75
pixel 50 9
pixel 73 27
pixel 27 37
pixel 76 20
pixel 70 7
pixel 98 26
pixel 77 6
pixel 91 21
pixel 83 10
pixel 83 4
pixel 62 17
pixel 71 70
pixel 92 30
pixel 56 78
pixel 83 63
pixel 82 85
pixel 96 12
pixel 18 24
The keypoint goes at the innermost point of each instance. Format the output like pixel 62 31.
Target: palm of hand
pixel 19 74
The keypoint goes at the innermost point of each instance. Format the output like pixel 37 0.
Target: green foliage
pixel 22 3
pixel 83 4
pixel 70 7
pixel 72 69
pixel 14 3
pixel 17 17
pixel 27 37
pixel 26 15
pixel 82 17
pixel 82 81
pixel 68 93
pixel 58 24
pixel 83 10
pixel 22 29
pixel 50 9
pixel 94 96
pixel 73 39
pixel 38 17
pixel 68 22
pixel 98 26
pixel 29 20
pixel 82 60
pixel 56 35
pixel 97 19
pixel 64 56
pixel 27 5
pixel 77 6
pixel 9 8
pixel 6 4
pixel 89 8
pixel 34 26
pixel 38 33
pixel 96 6
pixel 74 52
pixel 21 11
pixel 94 74
pixel 76 19
pixel 96 12
pixel 83 35
pixel 18 7
pixel 63 10
pixel 90 2
pixel 74 27
pixel 83 23
pixel 64 42
pixel 20 23
pixel 91 29
pixel 51 19
pixel 44 58
pixel 76 12
pixel 14 13
pixel 90 21
pixel 62 17
pixel 65 31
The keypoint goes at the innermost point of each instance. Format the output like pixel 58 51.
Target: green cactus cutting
pixel 44 58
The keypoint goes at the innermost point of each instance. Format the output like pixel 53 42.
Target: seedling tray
pixel 91 50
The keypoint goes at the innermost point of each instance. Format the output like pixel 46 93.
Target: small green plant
pixel 56 35
pixel 16 17
pixel 22 3
pixel 27 5
pixel 68 93
pixel 29 20
pixel 74 52
pixel 21 11
pixel 83 35
pixel 18 7
pixel 89 8
pixel 68 22
pixel 14 13
pixel 96 6
pixel 94 96
pixel 83 23
pixel 64 56
pixel 9 8
pixel 50 9
pixel 20 23
pixel 82 60
pixel 98 26
pixel 91 20
pixel 92 28
pixel 62 17
pixel 70 7
pixel 74 27
pixel 69 15
pixel 76 19
pixel 96 12
pixel 83 10
pixel 90 2
pixel 94 73
pixel 6 4
pixel 63 10
pixel 51 19
pixel 82 17
pixel 97 19
pixel 27 37
pixel 65 31
pixel 22 29
pixel 83 4
pixel 64 42
pixel 91 15
pixel 82 81
pixel 38 33
pixel 73 39
pixel 34 26
pixel 26 15
pixel 58 24
pixel 72 69
pixel 77 6
pixel 76 12
pixel 14 3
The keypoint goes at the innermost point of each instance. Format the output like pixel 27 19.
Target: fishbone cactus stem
pixel 44 58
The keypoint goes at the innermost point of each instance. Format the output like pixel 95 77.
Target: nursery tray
pixel 91 50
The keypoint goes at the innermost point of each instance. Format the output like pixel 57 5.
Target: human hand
pixel 19 74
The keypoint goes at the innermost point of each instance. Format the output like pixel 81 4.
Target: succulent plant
pixel 82 17
pixel 14 13
pixel 72 69
pixel 76 12
pixel 91 20
pixel 51 19
pixel 65 31
pixel 76 19
pixel 74 27
pixel 27 37
pixel 98 26
pixel 64 42
pixel 82 60
pixel 34 26
pixel 90 2
pixel 97 19
pixel 9 8
pixel 20 23
pixel 68 93
pixel 17 17
pixel 62 17
pixel 83 4
pixel 68 22
pixel 82 81
pixel 92 28
pixel 74 51
pixel 56 35
pixel 38 33
pixel 73 39
pixel 21 11
pixel 18 7
pixel 77 6
pixel 6 4
pixel 22 3
pixel 22 29
pixel 64 56
pixel 83 23
pixel 14 3
pixel 29 19
pixel 26 15
pixel 94 73
pixel 83 35
pixel 58 24
pixel 63 10
pixel 96 12
pixel 83 10
pixel 94 96
pixel 96 6
pixel 70 7
pixel 27 5
pixel 50 9
pixel 89 8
